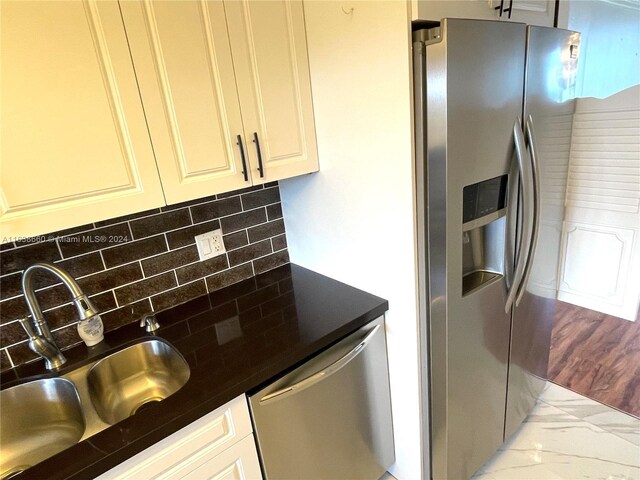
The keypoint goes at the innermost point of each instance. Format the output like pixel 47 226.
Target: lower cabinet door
pixel 218 445
pixel 238 462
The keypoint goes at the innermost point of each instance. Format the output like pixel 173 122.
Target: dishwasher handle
pixel 322 374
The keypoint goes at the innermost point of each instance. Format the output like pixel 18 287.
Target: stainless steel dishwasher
pixel 330 418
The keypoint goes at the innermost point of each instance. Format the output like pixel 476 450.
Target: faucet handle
pixel 149 322
pixel 48 350
pixel 26 324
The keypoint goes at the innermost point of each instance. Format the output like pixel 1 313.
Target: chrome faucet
pixel 41 340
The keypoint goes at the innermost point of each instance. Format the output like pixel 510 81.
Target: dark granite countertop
pixel 235 340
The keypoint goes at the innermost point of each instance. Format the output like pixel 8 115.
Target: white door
pixel 74 143
pixel 600 267
pixel 183 60
pixel 269 48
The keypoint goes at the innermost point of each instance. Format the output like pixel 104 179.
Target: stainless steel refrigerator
pixel 493 105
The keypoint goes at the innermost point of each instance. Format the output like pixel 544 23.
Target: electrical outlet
pixel 210 244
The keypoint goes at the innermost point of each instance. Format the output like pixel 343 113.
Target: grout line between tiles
pixel 6 350
pixel 133 239
pixel 104 264
pixel 15 296
pixel 59 249
pixel 115 298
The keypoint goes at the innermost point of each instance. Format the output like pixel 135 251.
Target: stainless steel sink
pixel 39 419
pixel 126 381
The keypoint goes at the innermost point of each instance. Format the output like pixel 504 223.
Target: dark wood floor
pixel 596 355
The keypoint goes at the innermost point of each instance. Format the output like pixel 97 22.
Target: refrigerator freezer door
pixel 549 91
pixel 331 417
pixel 472 88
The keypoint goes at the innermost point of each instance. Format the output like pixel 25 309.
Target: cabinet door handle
pixel 510 9
pixel 501 7
pixel 257 142
pixel 244 160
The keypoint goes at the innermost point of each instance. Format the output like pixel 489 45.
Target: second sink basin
pixel 125 381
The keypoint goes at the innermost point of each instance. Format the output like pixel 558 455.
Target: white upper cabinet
pixel 74 143
pixel 224 85
pixel 269 47
pixel 532 12
pixel 183 60
pixel 110 108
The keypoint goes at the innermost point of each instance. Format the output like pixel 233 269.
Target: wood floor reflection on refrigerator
pixel 568 436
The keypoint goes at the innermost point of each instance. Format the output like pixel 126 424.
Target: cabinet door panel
pixel 191 447
pixel 238 462
pixel 268 42
pixel 532 12
pixel 183 61
pixel 75 146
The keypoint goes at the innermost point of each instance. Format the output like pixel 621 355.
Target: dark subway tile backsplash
pixel 129 251
pixel 274 211
pixel 170 260
pixel 11 285
pixel 19 259
pixel 216 209
pixel 269 262
pixel 243 220
pixel 229 277
pixel 144 288
pixel 250 252
pixel 201 269
pixel 279 242
pixel 261 198
pixel 184 236
pixel 92 240
pixel 236 240
pixel 149 226
pixel 266 230
pixel 179 295
pixel 138 263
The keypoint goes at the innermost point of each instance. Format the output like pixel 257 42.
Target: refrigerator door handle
pixel 524 166
pixel 325 372
pixel 530 140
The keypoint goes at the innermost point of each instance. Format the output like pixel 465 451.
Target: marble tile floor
pixel 569 437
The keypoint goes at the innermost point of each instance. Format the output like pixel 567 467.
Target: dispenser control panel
pixel 484 198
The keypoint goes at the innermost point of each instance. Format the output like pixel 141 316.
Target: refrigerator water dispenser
pixel 483 233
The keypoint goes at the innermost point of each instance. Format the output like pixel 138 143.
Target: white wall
pixel 354 220
pixel 600 266
pixel 610 45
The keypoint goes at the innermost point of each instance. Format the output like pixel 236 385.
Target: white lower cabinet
pixel 218 446
pixel 238 462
